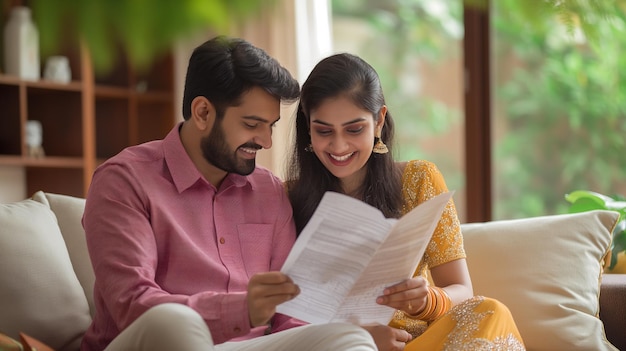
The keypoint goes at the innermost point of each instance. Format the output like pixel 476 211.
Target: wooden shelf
pixel 85 121
pixel 46 161
pixel 41 84
pixel 154 96
pixel 110 91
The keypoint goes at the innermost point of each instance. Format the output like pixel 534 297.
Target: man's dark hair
pixel 222 69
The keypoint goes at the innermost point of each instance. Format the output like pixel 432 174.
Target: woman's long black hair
pixel 347 76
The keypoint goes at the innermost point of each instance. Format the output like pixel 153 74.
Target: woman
pixel 344 134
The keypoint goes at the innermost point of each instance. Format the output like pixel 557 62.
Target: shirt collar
pixel 183 171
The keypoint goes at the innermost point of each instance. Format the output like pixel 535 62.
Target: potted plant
pixel 584 200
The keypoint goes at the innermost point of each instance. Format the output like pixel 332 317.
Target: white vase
pixel 21 45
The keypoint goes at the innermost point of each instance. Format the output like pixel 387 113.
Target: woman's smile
pixel 341 160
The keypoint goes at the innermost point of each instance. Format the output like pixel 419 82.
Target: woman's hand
pixel 408 296
pixel 388 338
pixel 265 292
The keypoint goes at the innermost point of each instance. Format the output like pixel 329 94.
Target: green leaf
pixel 599 199
pixel 143 28
pixel 586 204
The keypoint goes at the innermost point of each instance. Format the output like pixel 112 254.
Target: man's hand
pixel 408 295
pixel 265 292
pixel 388 338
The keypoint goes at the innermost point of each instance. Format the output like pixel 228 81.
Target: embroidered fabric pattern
pixel 415 327
pixel 457 330
pixel 467 321
pixel 421 181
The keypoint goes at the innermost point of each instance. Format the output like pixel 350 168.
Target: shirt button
pixel 237 330
pixel 222 240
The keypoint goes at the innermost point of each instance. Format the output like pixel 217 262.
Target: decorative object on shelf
pixel 142 86
pixel 34 139
pixel 58 69
pixel 21 45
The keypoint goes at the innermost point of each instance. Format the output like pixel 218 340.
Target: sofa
pixel 548 270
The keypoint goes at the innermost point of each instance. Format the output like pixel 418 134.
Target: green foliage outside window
pixel 403 35
pixel 564 107
pixel 559 92
pixel 142 28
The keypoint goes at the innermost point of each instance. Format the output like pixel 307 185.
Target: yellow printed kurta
pixel 476 324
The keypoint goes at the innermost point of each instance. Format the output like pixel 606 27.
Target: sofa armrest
pixel 613 308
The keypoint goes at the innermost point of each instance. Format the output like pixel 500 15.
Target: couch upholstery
pixel 613 308
pixel 46 287
pixel 548 271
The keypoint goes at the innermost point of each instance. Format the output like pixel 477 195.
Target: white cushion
pixel 40 294
pixel 69 212
pixel 547 270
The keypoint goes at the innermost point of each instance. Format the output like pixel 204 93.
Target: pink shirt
pixel 158 232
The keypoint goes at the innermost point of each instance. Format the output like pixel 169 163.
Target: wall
pixel 12 184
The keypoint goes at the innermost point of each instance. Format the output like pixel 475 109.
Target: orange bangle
pixel 444 303
pixel 438 302
pixel 428 309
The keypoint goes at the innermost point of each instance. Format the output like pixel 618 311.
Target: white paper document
pixel 349 252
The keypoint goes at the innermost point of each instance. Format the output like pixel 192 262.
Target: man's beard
pixel 215 150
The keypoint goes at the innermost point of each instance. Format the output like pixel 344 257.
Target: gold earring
pixel 380 147
pixel 309 148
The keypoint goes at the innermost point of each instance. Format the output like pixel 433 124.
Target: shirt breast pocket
pixel 256 246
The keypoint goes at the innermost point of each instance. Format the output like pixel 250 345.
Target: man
pixel 187 235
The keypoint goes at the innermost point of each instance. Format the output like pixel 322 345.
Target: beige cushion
pixel 547 270
pixel 39 292
pixel 69 212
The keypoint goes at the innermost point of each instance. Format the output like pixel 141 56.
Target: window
pixel 416 48
pixel 558 107
pixel 517 105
